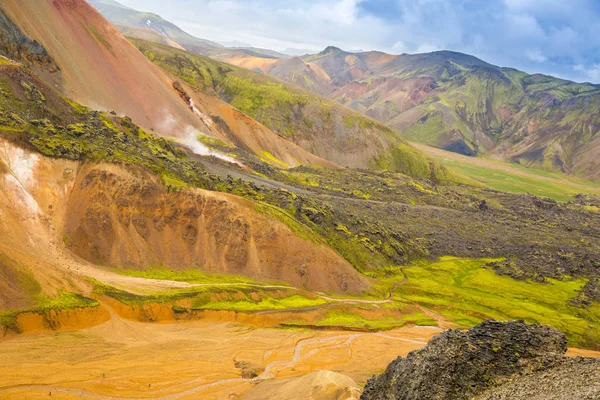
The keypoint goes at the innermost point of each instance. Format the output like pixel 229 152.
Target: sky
pixel 555 37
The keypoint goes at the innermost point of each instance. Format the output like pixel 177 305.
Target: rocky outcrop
pixel 492 360
pixel 16 45
pixel 588 294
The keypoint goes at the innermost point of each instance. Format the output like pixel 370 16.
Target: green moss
pixel 248 305
pixel 299 229
pixel 407 160
pixel 517 179
pixel 132 299
pixel 179 309
pixel 271 158
pixel 64 301
pixel 466 292
pixel 43 304
pixel 340 318
pixel 214 143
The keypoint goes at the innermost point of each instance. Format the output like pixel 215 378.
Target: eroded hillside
pixel 125 198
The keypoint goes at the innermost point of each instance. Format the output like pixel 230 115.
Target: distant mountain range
pixel 445 99
pixel 458 102
pixel 150 26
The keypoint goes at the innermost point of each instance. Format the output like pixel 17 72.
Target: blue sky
pixel 556 37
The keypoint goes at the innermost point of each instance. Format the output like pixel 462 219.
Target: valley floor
pixel 125 359
pixel 513 178
pixel 122 359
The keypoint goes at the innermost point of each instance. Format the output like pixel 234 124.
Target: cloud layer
pixel 556 37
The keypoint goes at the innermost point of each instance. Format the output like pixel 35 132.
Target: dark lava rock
pixel 461 365
pixel 571 379
pixel 589 293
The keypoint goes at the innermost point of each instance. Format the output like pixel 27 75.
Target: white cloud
pixel 524 25
pixel 427 48
pixel 536 55
pixel 399 47
pixel 342 12
pixel 533 35
pixel 592 73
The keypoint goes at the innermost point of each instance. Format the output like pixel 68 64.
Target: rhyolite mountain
pixel 127 167
pixel 460 103
pixel 320 126
pixel 444 99
pixel 317 124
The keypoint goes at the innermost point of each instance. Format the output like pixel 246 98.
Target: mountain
pixel 98 67
pixel 161 212
pixel 84 188
pixel 445 99
pixel 294 52
pixel 319 125
pixel 457 102
pixel 128 19
pixel 149 26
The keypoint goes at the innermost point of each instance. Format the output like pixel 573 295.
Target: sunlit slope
pixel 83 189
pixel 76 182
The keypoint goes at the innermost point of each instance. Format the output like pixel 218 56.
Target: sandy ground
pixel 124 359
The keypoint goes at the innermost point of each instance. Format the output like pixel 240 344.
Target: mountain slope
pixel 98 67
pixel 446 99
pixel 82 185
pixel 317 124
pixel 457 102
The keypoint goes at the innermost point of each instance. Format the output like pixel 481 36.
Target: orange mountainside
pixel 101 69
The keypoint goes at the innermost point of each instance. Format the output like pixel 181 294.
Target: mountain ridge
pixel 460 103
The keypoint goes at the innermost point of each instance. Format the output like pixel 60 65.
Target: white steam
pixel 189 136
pixel 191 142
pixel 207 121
